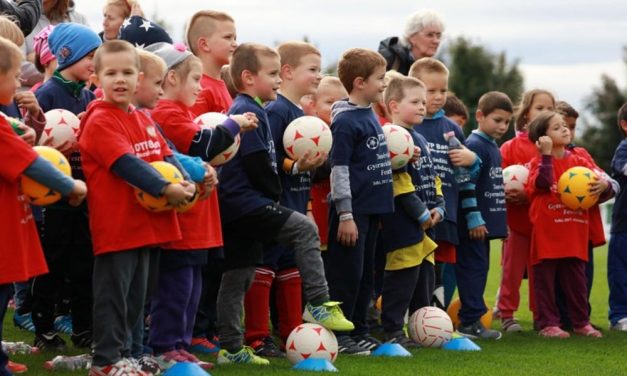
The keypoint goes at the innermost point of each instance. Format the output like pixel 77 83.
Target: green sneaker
pixel 329 315
pixel 245 356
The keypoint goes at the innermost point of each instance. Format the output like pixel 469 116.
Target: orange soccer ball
pixel 39 194
pixel 159 204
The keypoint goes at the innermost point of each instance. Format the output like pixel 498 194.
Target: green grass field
pixel 515 354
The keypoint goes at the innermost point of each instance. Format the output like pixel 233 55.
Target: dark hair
pixel 539 125
pixel 494 100
pixel 566 109
pixel 247 56
pixel 622 116
pixel 522 110
pixel 454 106
pixel 358 62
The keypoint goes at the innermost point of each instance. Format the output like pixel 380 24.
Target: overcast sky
pixel 563 46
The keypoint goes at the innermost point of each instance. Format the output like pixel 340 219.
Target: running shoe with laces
pixel 510 325
pixel 329 315
pixel 123 367
pixel 192 358
pixel 24 321
pixel 63 324
pixel 346 345
pixel 50 341
pixel 82 340
pixel 621 325
pixel 477 331
pixel 403 340
pixel 147 364
pixel 367 342
pixel 169 359
pixel 267 348
pixel 202 345
pixel 244 356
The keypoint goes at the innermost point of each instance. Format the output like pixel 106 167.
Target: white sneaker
pixel 620 326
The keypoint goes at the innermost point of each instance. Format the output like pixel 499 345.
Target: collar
pixel 437 115
pixel 484 135
pixel 72 87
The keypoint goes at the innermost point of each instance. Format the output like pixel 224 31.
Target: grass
pixel 516 354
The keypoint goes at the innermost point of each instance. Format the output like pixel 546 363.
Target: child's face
pixel 495 124
pixel 571 123
pixel 9 83
pixel 190 86
pixel 82 70
pixel 267 81
pixel 325 97
pixel 118 78
pixel 437 88
pixel 222 42
pixel 558 131
pixel 113 19
pixel 149 89
pixel 412 108
pixel 459 120
pixel 306 75
pixel 541 102
pixel 374 85
pixel 308 104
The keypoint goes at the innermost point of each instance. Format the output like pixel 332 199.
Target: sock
pixel 289 301
pixel 257 305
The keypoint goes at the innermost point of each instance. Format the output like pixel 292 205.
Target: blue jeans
pixel 617 276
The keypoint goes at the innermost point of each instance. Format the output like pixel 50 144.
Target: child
pixel 117 144
pixel 45 62
pixel 409 276
pixel 617 258
pixel 67 240
pixel 455 110
pixel 248 194
pixel 559 237
pixel 18 232
pixel 300 75
pixel 482 202
pixel 516 246
pixel 361 190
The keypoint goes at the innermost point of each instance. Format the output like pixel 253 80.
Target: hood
pixel 343 105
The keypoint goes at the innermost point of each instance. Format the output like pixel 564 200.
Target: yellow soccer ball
pixel 159 204
pixel 574 189
pixel 39 194
pixel 453 312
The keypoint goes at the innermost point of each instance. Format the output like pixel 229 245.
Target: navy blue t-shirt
pixel 359 143
pixel 422 171
pixel 294 188
pixel 619 169
pixel 238 196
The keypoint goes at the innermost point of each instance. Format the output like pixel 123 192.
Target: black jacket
pixel 25 12
pixel 396 55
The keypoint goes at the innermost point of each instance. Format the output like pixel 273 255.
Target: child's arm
pixel 439 211
pixel 545 178
pixel 43 172
pixel 468 199
pixel 208 143
pixel 258 168
pixel 32 113
pixel 405 197
pixel 340 185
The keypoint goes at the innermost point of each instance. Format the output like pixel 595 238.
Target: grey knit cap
pixel 172 54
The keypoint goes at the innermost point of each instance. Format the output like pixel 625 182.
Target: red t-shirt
pixel 117 221
pixel 21 256
pixel 201 226
pixel 214 97
pixel 519 150
pixel 558 232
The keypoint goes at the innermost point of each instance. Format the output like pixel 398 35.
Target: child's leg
pixel 544 291
pixel 571 273
pixel 230 304
pixel 288 297
pixel 395 298
pixel 136 298
pixel 515 260
pixel 205 326
pixel 81 263
pixel 449 282
pixel 257 305
pixel 617 276
pixel 424 287
pixel 5 295
pixel 590 274
pixel 192 307
pixel 471 271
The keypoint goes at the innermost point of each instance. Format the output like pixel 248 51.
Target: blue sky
pixel 563 46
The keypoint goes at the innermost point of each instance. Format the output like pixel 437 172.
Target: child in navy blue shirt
pixel 361 190
pixel 482 214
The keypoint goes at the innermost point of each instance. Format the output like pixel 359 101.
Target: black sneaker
pixel 477 331
pixel 367 342
pixel 402 340
pixel 50 341
pixel 266 348
pixel 346 345
pixel 82 339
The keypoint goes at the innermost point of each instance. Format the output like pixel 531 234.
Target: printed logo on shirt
pixel 372 142
pixel 147 148
pixel 152 132
pixel 496 172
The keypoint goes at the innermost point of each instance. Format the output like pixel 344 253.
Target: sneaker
pixel 192 358
pixel 170 358
pixel 510 325
pixel 346 345
pixel 553 332
pixel 16 367
pixel 63 324
pixel 122 368
pixel 588 331
pixel 620 326
pixel 82 339
pixel 24 321
pixel 329 315
pixel 202 345
pixel 148 364
pixel 50 341
pixel 402 340
pixel 367 341
pixel 267 348
pixel 477 331
pixel 245 356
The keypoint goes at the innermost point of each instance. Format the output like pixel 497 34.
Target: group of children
pixel 252 242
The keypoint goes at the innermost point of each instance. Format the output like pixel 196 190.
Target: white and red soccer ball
pixel 62 125
pixel 515 177
pixel 211 120
pixel 311 341
pixel 430 327
pixel 400 145
pixel 307 133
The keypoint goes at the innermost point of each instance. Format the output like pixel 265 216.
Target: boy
pixel 361 190
pixel 117 144
pixel 617 253
pixel 482 215
pixel 67 240
pixel 455 110
pixel 300 75
pixel 248 192
pixel 409 275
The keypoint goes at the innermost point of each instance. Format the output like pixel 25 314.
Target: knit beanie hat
pixel 70 42
pixel 141 33
pixel 172 54
pixel 40 45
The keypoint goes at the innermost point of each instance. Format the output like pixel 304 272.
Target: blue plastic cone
pixel 461 344
pixel 316 365
pixel 186 369
pixel 391 349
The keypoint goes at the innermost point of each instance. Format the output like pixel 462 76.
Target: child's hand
pixel 416 156
pixel 478 233
pixel 436 217
pixel 516 196
pixel 545 145
pixel 598 186
pixel 347 233
pixel 247 122
pixel 463 157
pixel 427 224
pixel 210 181
pixel 308 162
pixel 66 148
pixel 27 100
pixel 29 136
pixel 179 193
pixel 78 194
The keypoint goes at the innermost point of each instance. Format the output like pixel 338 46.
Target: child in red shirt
pixel 560 236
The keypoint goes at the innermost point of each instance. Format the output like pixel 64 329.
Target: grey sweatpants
pixel 120 282
pixel 300 234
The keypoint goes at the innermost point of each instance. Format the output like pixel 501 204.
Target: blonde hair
pixel 522 110
pixel 225 75
pixel 9 30
pixel 329 81
pixel 203 24
pixel 12 55
pixel 112 47
pixel 292 52
pixel 358 62
pixel 247 57
pixel 149 61
pixel 427 65
pixel 124 5
pixel 396 89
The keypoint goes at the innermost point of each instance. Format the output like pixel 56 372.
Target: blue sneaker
pixel 63 324
pixel 24 321
pixel 202 345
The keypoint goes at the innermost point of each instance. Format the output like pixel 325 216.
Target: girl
pixel 519 150
pixel 559 238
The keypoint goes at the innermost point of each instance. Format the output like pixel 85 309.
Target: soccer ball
pixel 400 145
pixel 311 341
pixel 39 194
pixel 307 133
pixel 574 190
pixel 62 125
pixel 430 327
pixel 191 203
pixel 515 177
pixel 211 120
pixel 159 204
pixel 453 313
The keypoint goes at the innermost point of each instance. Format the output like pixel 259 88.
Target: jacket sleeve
pixel 26 12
